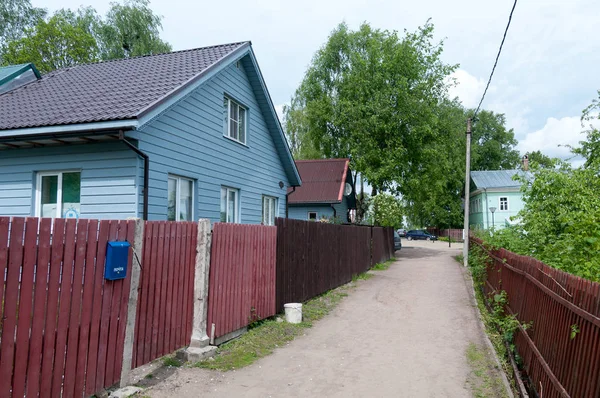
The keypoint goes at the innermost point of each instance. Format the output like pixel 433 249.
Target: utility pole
pixel 467 195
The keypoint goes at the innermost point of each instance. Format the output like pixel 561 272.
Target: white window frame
pixel 178 194
pixel 228 130
pixel 316 216
pixel 236 205
pixel 500 203
pixel 38 190
pixel 274 201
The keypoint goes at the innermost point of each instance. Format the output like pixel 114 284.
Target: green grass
pixel 484 380
pixel 383 266
pixel 362 277
pixel 171 361
pixel 265 336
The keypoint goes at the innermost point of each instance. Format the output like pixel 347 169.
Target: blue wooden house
pixel 327 191
pixel 176 136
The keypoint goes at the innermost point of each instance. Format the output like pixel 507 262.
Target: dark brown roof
pixel 323 181
pixel 111 90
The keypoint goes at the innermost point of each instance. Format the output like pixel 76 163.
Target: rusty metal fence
pixel 561 349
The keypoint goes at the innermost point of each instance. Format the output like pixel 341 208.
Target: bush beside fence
pixel 561 349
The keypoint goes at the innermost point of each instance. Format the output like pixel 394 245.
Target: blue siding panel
pixel 341 209
pixel 108 172
pixel 301 212
pixel 187 140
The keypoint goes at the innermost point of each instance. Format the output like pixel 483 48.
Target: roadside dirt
pixel 405 332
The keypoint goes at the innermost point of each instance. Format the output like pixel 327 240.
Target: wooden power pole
pixel 467 195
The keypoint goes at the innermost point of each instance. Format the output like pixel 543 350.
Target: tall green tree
pixel 493 144
pixel 371 95
pixel 538 158
pixel 131 29
pixel 73 37
pixel 53 44
pixel 16 17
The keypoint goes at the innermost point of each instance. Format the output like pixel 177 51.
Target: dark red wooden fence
pixel 166 290
pixel 62 324
pixel 314 257
pixel 242 276
pixel 383 244
pixel 556 303
pixel 456 234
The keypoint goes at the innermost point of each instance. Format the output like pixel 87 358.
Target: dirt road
pixel 403 333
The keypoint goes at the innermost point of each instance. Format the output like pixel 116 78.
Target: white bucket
pixel 293 312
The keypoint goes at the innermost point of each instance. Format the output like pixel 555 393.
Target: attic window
pixel 235 120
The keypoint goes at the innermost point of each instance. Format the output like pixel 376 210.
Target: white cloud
pixel 468 88
pixel 552 138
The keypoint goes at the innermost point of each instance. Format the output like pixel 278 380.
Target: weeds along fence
pixel 456 234
pixel 314 257
pixel 561 349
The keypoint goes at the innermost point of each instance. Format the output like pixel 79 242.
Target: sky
pixel 547 73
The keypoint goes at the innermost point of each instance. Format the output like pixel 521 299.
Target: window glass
pixel 312 215
pixel 223 204
pixel 71 195
pixel 269 210
pixel 172 199
pixel 235 120
pixel 503 203
pixel 231 206
pixel 242 125
pixel 185 200
pixel 49 196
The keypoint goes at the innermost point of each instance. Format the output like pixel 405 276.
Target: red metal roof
pixel 322 181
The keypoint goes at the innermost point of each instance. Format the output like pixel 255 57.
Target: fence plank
pixel 58 235
pixel 39 307
pixel 75 310
pixel 86 305
pixel 9 318
pixel 25 307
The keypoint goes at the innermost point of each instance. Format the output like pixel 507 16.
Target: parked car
pixel 397 241
pixel 402 232
pixel 417 234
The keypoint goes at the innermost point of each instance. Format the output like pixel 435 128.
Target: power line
pixel 497 57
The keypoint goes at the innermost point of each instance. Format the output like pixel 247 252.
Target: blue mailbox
pixel 117 254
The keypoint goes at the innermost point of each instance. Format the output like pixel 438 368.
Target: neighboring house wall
pixel 301 212
pixel 484 219
pixel 188 140
pixel 108 175
pixel 341 209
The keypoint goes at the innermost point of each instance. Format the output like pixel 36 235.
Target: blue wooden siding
pixel 301 212
pixel 108 174
pixel 188 140
pixel 341 209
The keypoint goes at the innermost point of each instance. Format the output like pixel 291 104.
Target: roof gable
pixel 323 181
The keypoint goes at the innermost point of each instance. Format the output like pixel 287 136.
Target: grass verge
pixel 383 266
pixel 266 335
pixel 484 381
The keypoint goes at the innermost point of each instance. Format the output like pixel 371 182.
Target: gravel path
pixel 402 333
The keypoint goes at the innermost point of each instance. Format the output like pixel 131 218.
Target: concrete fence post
pixel 199 348
pixel 132 303
pixel 138 242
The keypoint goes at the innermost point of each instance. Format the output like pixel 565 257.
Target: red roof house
pixel 327 190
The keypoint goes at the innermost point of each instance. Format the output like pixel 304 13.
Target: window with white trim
pixel 180 205
pixel 235 120
pixel 269 205
pixel 58 194
pixel 312 216
pixel 503 203
pixel 230 205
